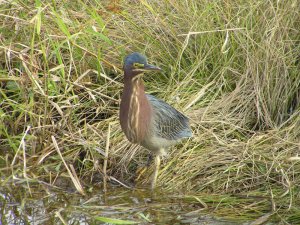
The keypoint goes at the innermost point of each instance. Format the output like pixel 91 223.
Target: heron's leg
pixel 156 170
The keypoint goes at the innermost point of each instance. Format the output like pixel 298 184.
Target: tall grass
pixel 232 67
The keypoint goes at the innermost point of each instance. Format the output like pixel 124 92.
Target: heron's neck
pixel 134 84
pixel 135 109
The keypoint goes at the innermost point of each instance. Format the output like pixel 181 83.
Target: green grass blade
pixel 114 221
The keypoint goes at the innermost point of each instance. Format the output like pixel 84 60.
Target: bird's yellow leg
pixel 156 170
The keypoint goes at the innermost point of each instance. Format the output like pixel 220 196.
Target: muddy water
pixel 26 203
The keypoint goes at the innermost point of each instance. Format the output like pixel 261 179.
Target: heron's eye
pixel 138 65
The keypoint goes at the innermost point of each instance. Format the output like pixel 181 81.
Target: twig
pixel 211 31
pixel 74 177
pixel 124 185
pixel 105 159
pixel 22 144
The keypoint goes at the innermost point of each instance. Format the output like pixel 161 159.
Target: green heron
pixel 145 119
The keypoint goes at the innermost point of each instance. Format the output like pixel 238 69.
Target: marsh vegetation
pixel 231 66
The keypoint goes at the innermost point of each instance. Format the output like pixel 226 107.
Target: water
pixel 41 204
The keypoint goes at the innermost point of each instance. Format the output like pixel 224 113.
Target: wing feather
pixel 168 122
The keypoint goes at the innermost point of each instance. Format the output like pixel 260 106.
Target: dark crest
pixel 135 58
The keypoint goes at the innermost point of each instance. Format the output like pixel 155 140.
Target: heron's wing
pixel 168 122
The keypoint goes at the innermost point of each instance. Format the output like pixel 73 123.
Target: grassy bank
pixel 232 67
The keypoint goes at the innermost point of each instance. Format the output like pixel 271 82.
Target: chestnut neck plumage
pixel 135 109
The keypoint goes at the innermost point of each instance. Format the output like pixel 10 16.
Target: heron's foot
pixel 140 172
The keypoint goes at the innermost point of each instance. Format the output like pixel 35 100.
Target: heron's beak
pixel 151 67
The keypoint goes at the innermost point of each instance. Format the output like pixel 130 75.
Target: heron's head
pixel 136 63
